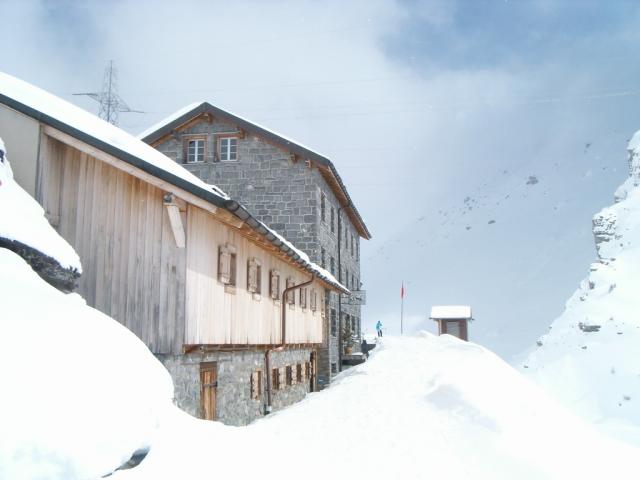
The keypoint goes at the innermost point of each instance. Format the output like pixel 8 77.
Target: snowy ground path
pixel 422 407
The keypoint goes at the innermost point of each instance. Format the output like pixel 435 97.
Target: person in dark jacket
pixel 364 347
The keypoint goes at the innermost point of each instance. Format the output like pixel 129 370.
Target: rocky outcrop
pixel 49 269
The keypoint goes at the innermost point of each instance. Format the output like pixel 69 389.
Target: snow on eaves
pixel 167 120
pixel 23 220
pixel 183 111
pixel 451 312
pixel 83 121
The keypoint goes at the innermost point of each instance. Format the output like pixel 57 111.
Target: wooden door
pixel 208 387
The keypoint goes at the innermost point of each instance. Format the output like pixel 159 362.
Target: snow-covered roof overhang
pixel 86 127
pixel 451 312
pixel 187 114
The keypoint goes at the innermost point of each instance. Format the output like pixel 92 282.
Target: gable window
pixel 323 207
pixel 194 149
pixel 228 149
pixel 254 276
pixel 274 285
pixel 227 271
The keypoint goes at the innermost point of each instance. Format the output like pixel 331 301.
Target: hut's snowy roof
pixel 451 312
pixel 72 120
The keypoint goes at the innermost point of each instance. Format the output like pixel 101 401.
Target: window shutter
pixel 252 276
pixel 303 297
pixel 313 300
pixel 224 265
pixel 291 299
pixel 274 286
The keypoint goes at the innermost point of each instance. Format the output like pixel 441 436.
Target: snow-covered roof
pixel 326 167
pixel 451 312
pixel 72 120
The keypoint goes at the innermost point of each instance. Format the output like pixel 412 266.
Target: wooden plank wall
pixel 216 316
pixel 132 269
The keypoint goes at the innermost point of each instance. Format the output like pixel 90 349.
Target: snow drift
pixel 589 357
pixel 421 407
pixel 80 393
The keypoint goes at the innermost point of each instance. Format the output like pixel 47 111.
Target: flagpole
pixel 401 307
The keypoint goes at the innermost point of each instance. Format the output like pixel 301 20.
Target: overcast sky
pixel 417 103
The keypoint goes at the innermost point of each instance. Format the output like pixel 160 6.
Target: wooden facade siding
pixel 216 316
pixel 135 271
pixel 132 268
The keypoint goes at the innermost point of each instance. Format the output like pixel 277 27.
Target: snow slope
pixel 589 357
pixel 22 219
pixel 513 245
pixel 80 393
pixel 421 407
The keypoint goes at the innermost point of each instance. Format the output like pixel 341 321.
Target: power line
pixel 111 104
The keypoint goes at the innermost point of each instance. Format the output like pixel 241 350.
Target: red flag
pixel 402 290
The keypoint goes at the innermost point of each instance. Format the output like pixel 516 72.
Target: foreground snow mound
pixel 22 219
pixel 589 358
pixel 80 393
pixel 421 407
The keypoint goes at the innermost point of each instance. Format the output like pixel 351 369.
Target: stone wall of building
pixel 287 196
pixel 234 405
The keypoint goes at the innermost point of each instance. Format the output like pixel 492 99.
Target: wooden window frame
pixel 303 298
pixel 274 285
pixel 288 375
pixel 275 379
pixel 254 277
pixel 291 295
pixel 228 266
pixel 227 138
pixel 299 376
pixel 256 385
pixel 194 138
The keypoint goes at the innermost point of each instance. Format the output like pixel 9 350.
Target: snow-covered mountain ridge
pixel 589 356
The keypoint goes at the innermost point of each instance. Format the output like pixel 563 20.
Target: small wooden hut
pixel 453 320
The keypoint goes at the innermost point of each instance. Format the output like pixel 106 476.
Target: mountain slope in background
pixel 589 357
pixel 513 248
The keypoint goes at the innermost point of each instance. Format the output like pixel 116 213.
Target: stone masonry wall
pixel 234 405
pixel 286 195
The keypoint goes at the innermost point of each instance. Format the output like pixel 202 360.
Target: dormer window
pixel 228 149
pixel 195 150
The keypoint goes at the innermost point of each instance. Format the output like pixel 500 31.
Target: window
pixel 228 149
pixel 256 385
pixel 307 370
pixel 333 220
pixel 334 323
pixel 334 368
pixel 299 377
pixel 353 283
pixel 332 264
pixel 303 298
pixel 313 300
pixel 323 207
pixel 291 298
pixel 275 378
pixel 352 244
pixel 289 375
pixel 323 259
pixel 254 276
pixel 227 265
pixel 274 285
pixel 195 149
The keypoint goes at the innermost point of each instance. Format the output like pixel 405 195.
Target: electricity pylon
pixel 111 104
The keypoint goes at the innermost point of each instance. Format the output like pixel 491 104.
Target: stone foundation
pixel 234 404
